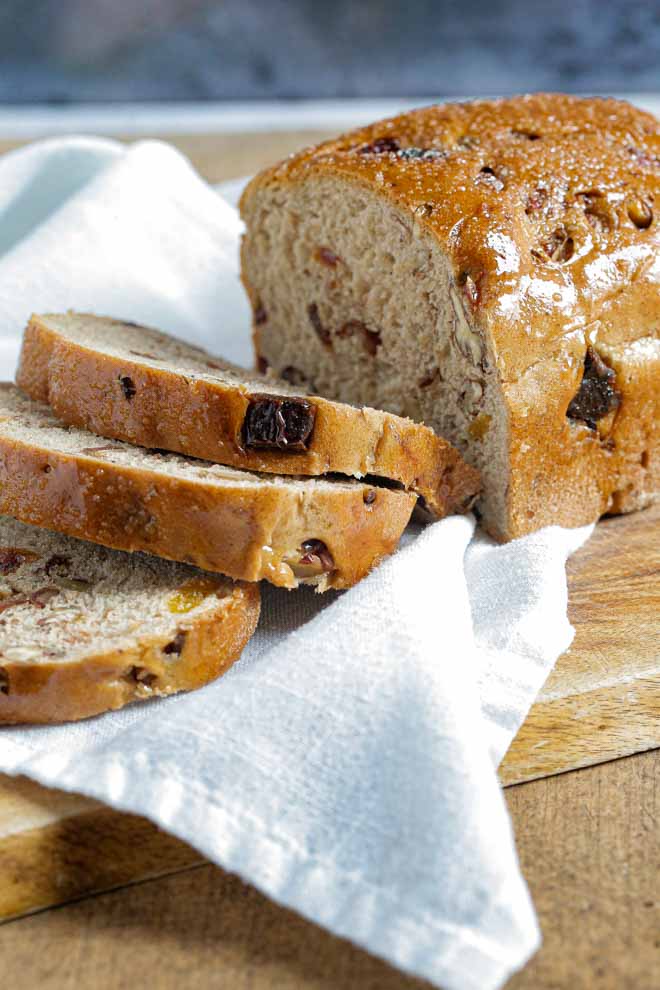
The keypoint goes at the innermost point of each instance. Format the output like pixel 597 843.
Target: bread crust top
pixel 547 206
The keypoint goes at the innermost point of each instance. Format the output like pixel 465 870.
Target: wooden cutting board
pixel 601 701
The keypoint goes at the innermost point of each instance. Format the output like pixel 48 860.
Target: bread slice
pixel 290 531
pixel 501 258
pixel 133 383
pixel 84 629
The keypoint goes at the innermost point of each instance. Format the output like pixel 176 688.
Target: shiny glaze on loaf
pixel 489 225
pixel 493 182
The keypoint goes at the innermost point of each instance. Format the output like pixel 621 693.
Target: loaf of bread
pixel 491 269
pixel 84 629
pixel 290 531
pixel 133 383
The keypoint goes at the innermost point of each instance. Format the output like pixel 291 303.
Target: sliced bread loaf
pixel 290 531
pixel 136 384
pixel 502 259
pixel 84 629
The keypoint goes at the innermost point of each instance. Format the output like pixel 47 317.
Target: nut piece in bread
pixel 84 629
pixel 491 268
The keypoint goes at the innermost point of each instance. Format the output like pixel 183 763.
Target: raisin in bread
pixel 137 384
pixel 290 531
pixel 491 269
pixel 84 629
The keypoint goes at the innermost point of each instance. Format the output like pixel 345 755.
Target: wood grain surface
pixel 589 845
pixel 588 840
pixel 601 701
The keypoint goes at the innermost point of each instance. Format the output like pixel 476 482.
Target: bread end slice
pixel 85 629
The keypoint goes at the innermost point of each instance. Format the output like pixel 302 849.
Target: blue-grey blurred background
pixel 66 50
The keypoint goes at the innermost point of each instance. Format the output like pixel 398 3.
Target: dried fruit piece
pixel 141 675
pixel 4 681
pixel 58 562
pixel 278 423
pixel 127 387
pixel 597 394
pixel 311 560
pixel 11 558
pixel 371 338
pixel 429 378
pixel 293 376
pixel 639 212
pixel 391 145
pixel 260 315
pixel 369 497
pixel 176 645
pixel 380 146
pixel 321 331
pixel 262 365
pixel 424 210
pixel 327 257
pixel 479 427
pixel 526 135
pixel 190 595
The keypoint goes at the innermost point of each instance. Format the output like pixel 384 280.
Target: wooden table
pixel 588 840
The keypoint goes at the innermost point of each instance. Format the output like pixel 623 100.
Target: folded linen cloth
pixel 347 764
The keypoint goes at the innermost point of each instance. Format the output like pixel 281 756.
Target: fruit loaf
pixel 133 383
pixel 84 629
pixel 290 531
pixel 491 269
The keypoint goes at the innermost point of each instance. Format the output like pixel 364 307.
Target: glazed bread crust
pixel 287 531
pixel 512 247
pixel 72 645
pixel 183 399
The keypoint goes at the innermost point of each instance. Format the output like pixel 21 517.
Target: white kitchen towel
pixel 347 764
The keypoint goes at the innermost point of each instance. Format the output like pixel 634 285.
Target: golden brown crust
pixel 548 208
pixel 248 532
pixel 82 387
pixel 62 692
